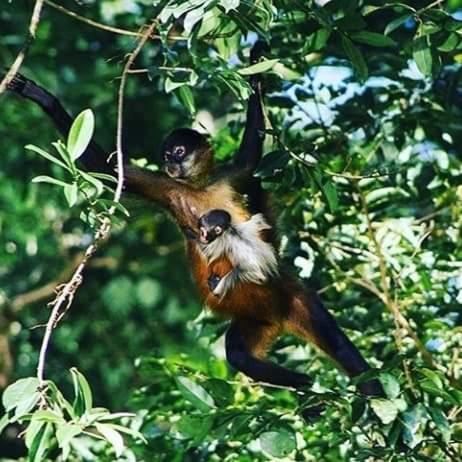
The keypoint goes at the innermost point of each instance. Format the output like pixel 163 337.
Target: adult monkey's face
pixel 187 155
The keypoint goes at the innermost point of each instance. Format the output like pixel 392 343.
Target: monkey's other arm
pixel 251 149
pixel 94 157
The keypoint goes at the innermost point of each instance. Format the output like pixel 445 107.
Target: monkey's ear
pixel 258 50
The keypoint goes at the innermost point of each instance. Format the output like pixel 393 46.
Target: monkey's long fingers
pixel 17 84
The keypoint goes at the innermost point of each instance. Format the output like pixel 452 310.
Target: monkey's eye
pixel 179 151
pixel 218 230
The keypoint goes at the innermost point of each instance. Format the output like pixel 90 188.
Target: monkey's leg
pixel 310 320
pixel 246 342
pixel 94 158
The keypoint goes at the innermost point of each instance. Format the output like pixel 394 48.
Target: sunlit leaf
pixel 80 133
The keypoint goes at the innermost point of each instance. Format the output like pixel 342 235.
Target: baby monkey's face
pixel 213 224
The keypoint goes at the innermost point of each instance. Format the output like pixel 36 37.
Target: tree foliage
pixel 363 160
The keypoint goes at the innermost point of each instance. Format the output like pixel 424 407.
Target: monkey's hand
pixel 17 84
pixel 258 50
pixel 256 53
pixel 190 215
pixel 226 283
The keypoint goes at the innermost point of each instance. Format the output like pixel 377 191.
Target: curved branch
pixel 34 22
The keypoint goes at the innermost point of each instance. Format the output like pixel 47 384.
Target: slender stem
pixel 131 59
pixel 34 22
pixel 98 25
pixel 66 292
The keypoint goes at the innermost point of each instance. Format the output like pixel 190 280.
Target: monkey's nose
pixel 203 236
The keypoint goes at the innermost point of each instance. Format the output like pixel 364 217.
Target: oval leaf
pixel 81 133
pixel 196 394
pixel 19 391
pixel 113 437
pixel 278 443
pixel 258 68
pixel 385 410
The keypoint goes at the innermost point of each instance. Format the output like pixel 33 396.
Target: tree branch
pixel 34 21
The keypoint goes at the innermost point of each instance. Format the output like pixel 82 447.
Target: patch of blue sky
pixel 321 110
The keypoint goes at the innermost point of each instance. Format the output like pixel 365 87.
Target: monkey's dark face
pixel 186 154
pixel 213 224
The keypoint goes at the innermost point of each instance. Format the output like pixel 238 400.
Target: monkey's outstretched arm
pixel 251 148
pixel 243 340
pixel 154 186
pixel 94 158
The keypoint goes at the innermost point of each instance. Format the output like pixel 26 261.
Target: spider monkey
pixel 260 313
pixel 252 258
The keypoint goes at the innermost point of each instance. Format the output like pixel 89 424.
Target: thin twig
pixel 34 22
pixel 431 5
pixel 66 292
pixel 131 59
pixel 65 295
pixel 98 25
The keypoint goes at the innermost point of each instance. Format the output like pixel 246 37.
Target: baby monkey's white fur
pixel 253 259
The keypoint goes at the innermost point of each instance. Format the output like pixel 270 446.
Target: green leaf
pixel 195 394
pixel 413 421
pixel 83 398
pixel 4 421
pixel 398 22
pixel 46 415
pixel 390 385
pixel 80 133
pixel 278 443
pixel 372 38
pixel 285 72
pixel 50 180
pixel 196 428
pixel 385 410
pixel 258 68
pixel 19 391
pixel 47 156
pixel 64 434
pixel 129 431
pixel 441 423
pixel 71 192
pixel 272 163
pixel 433 376
pixel 103 176
pixel 58 398
pixel 185 95
pixel 451 43
pixel 40 443
pixel 192 18
pixel 422 55
pixel 171 85
pixel 97 184
pixel 330 192
pixel 26 405
pixel 356 58
pixel 64 153
pixel 221 391
pixel 112 436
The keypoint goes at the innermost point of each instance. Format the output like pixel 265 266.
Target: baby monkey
pixel 240 248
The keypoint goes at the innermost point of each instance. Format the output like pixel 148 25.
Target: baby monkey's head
pixel 213 224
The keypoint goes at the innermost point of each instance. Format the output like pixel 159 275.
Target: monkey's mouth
pixel 174 171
